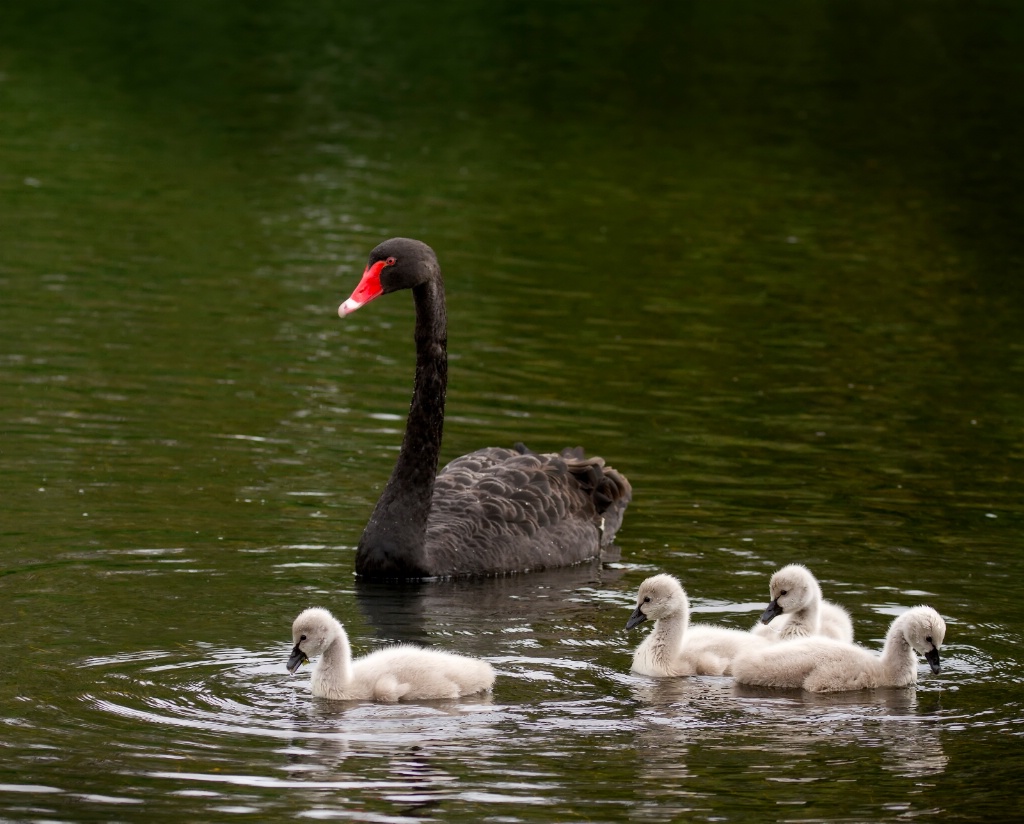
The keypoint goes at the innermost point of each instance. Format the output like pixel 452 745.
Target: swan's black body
pixel 494 511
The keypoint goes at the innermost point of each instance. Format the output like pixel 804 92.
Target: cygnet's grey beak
pixel 296 659
pixel 636 618
pixel 932 657
pixel 773 611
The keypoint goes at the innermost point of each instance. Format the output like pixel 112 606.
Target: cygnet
pixel 797 609
pixel 674 647
pixel 821 664
pixel 397 673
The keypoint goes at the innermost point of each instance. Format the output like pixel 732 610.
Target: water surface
pixel 765 262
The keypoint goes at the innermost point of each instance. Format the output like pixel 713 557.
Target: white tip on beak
pixel 348 307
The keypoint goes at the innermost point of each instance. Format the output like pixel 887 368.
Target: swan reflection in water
pixel 684 715
pixel 341 751
pixel 478 609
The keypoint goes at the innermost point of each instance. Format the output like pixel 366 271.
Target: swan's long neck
pixel 392 544
pixel 334 669
pixel 807 618
pixel 898 659
pixel 666 639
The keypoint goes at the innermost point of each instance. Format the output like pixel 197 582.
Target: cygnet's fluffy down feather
pixel 674 647
pixel 824 665
pixel 797 609
pixel 836 622
pixel 398 673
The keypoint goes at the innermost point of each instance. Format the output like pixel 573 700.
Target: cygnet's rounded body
pixel 821 664
pixel 675 647
pixel 398 673
pixel 797 609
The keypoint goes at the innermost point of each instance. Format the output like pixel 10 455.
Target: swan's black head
pixel 399 263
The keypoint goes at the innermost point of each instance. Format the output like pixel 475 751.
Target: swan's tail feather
pixel 608 489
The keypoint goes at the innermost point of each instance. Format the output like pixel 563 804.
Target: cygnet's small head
pixel 312 632
pixel 658 597
pixel 925 630
pixel 791 589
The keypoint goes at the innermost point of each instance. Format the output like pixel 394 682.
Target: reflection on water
pixel 225 728
pixel 516 604
pixel 760 261
pixel 692 713
pixel 678 733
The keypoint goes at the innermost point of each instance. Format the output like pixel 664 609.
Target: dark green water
pixel 766 261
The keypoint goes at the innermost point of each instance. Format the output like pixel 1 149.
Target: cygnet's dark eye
pixel 930 641
pixel 647 599
pixel 302 637
pixel 390 261
pixel 784 592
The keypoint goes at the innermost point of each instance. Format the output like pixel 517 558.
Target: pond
pixel 766 262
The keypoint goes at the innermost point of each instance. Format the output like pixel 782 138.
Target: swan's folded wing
pixel 541 510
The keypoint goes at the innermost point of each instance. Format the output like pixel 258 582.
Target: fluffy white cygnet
pixel 398 673
pixel 797 609
pixel 674 646
pixel 821 664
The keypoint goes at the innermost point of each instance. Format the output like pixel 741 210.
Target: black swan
pixel 494 511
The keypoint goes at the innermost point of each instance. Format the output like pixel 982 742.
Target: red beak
pixel 368 289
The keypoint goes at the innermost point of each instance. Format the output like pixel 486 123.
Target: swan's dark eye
pixel 647 599
pixel 930 641
pixel 784 592
pixel 390 261
pixel 302 637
